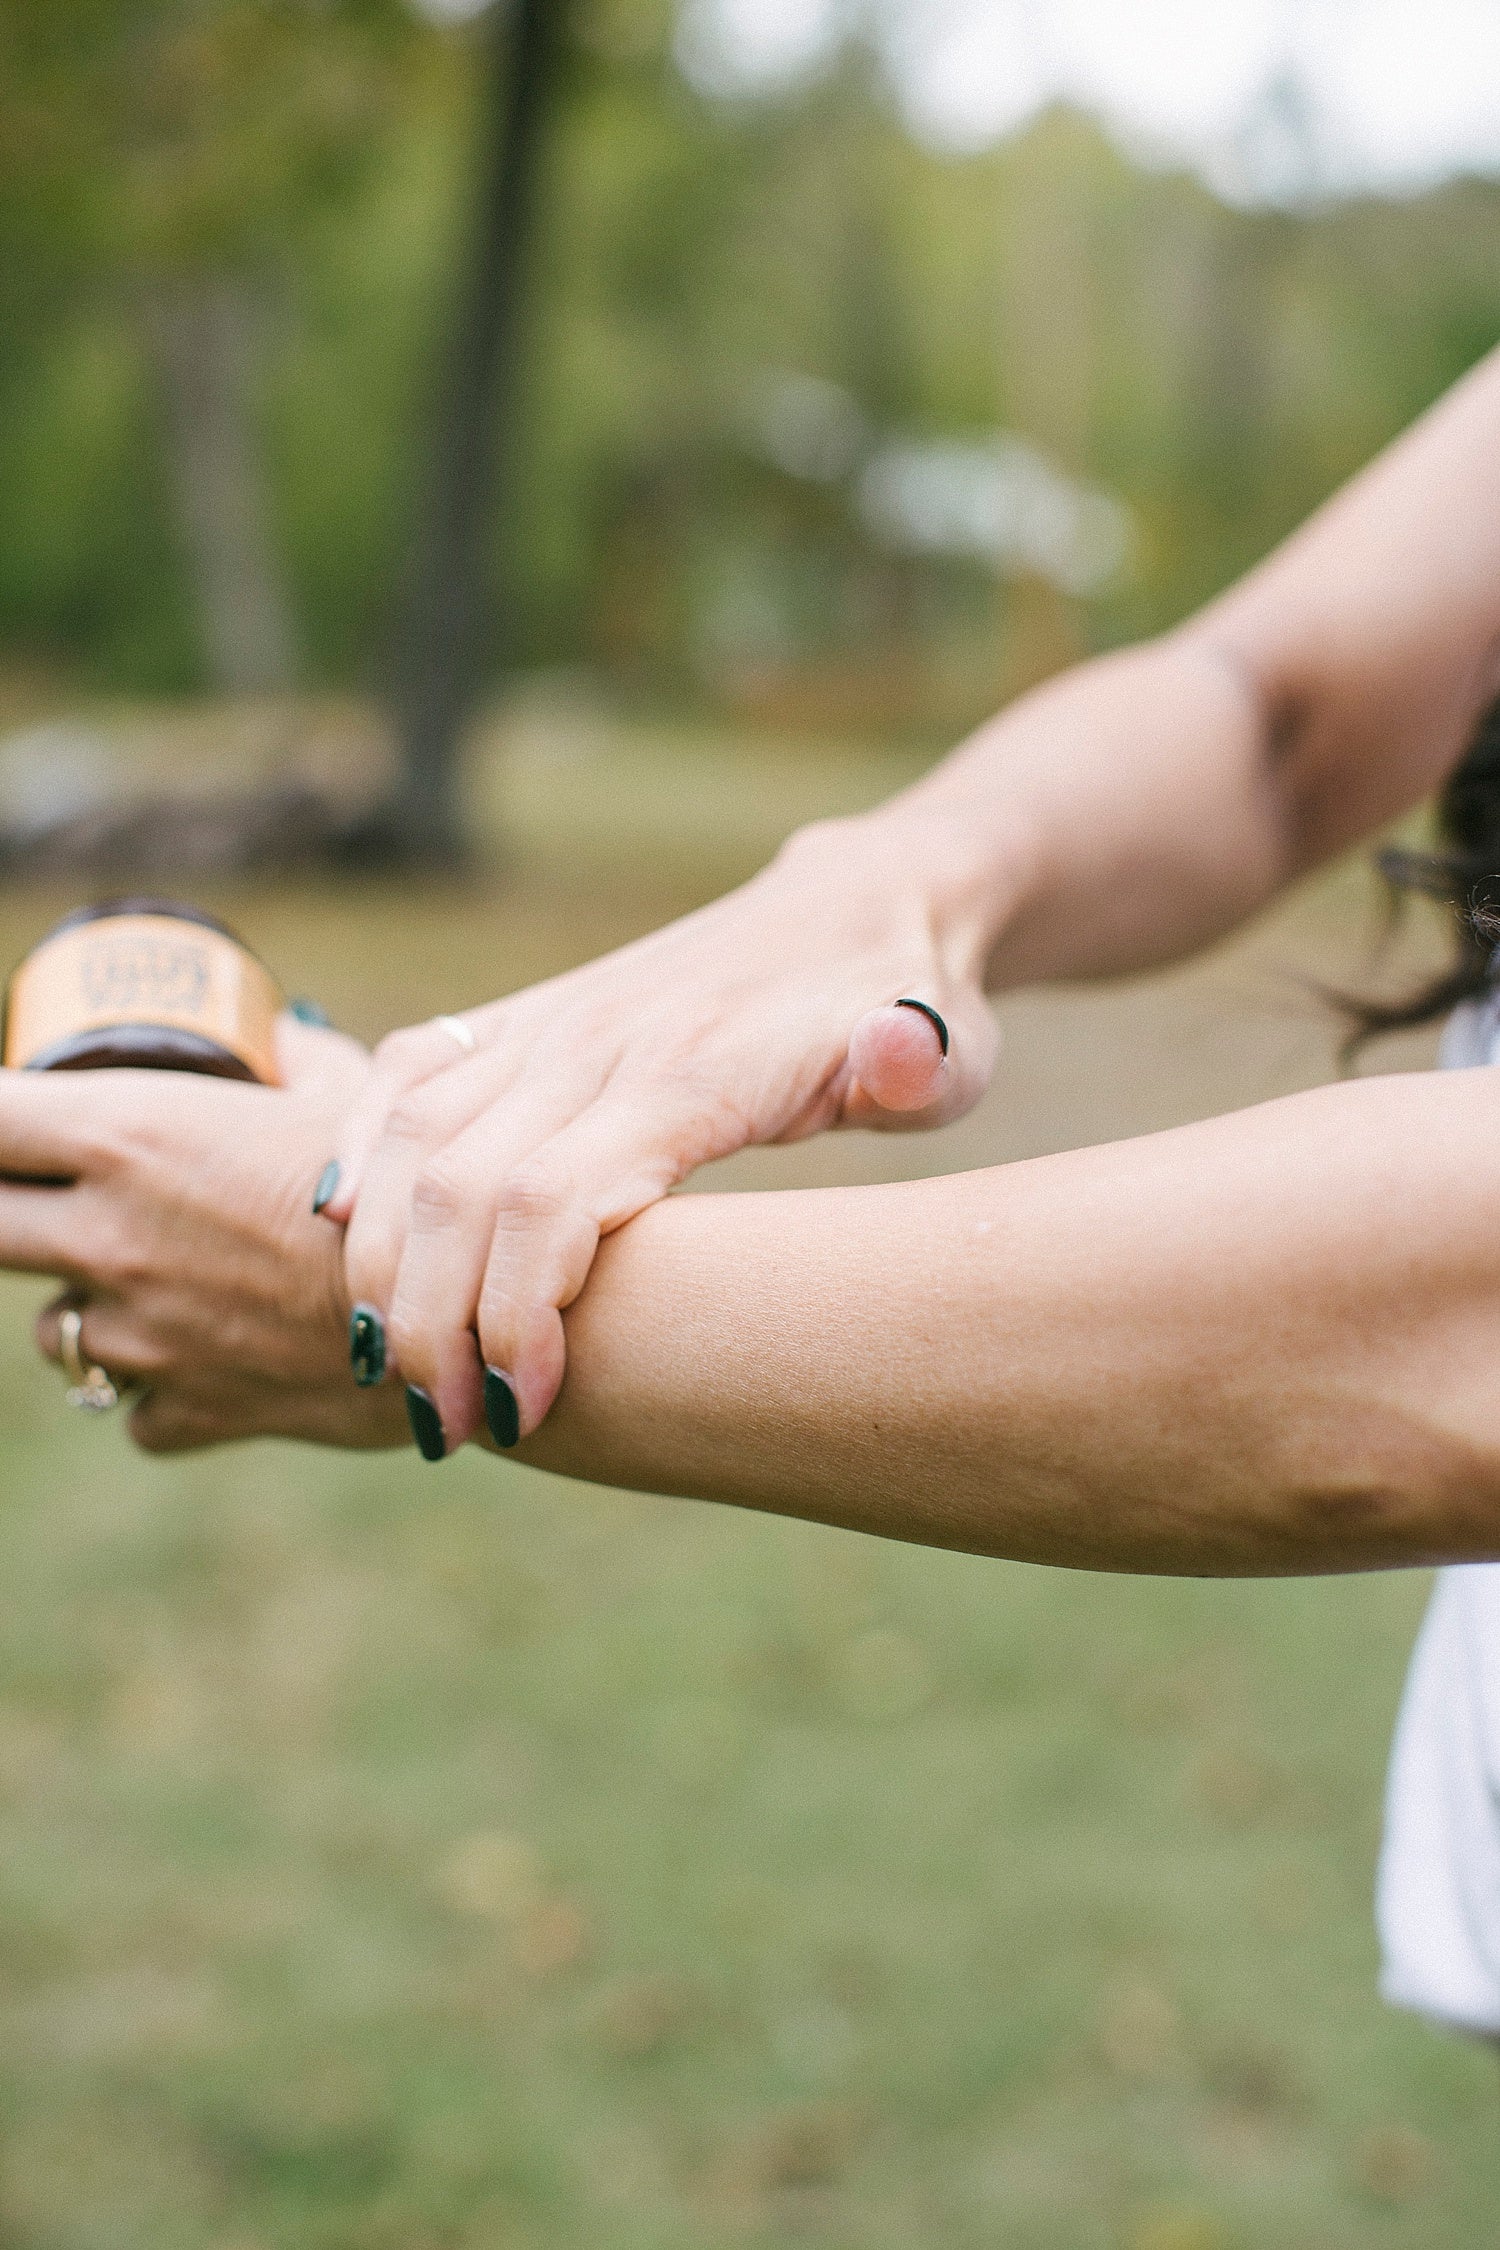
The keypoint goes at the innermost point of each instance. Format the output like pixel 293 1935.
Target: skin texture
pixel 1123 815
pixel 1267 1343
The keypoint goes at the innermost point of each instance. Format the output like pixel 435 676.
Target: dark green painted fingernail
pixel 366 1345
pixel 426 1424
pixel 933 1018
pixel 308 1011
pixel 500 1409
pixel 327 1187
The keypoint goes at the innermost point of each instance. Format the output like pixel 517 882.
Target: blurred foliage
pixel 153 135
pixel 1218 369
pixel 148 148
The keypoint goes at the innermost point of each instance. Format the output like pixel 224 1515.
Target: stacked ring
pixel 90 1389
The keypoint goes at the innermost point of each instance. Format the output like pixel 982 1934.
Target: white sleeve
pixel 1438 1891
pixel 1468 1039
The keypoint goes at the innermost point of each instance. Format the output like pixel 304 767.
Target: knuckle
pixel 99 1151
pixel 114 1152
pixel 138 1140
pixel 409 1122
pixel 532 1196
pixel 118 1261
pixel 438 1197
pixel 146 1130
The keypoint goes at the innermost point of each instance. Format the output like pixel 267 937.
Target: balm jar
pixel 143 984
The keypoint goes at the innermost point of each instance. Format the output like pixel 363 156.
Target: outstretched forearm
pixel 1124 814
pixel 1259 1345
pixel 1144 804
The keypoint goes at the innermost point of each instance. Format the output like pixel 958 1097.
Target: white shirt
pixel 1437 1900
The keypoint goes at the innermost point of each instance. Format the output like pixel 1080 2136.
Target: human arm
pixel 1263 1344
pixel 1269 1343
pixel 1124 814
pixel 1160 796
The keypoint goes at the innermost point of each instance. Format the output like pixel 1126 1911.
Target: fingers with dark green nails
pixel 426 1424
pixel 367 1346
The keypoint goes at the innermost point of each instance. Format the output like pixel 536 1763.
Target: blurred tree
pixel 204 340
pixel 442 645
pixel 176 154
pixel 1045 362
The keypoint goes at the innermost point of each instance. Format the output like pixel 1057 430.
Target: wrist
pixel 946 875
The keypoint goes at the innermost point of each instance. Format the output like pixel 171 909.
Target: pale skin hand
pixel 1124 815
pixel 495 1175
pixel 184 1232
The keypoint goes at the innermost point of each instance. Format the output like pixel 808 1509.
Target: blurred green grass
pixel 465 1861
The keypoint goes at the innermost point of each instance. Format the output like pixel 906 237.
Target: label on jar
pixel 143 969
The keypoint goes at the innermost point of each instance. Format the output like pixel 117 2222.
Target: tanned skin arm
pixel 1158 797
pixel 1265 1344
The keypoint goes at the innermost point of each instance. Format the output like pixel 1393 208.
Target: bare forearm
pixel 1145 803
pixel 1261 1345
pixel 1124 814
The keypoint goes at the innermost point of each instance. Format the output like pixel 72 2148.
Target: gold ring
pixel 457 1029
pixel 90 1389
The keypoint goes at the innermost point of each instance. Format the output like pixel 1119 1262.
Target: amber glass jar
pixel 143 984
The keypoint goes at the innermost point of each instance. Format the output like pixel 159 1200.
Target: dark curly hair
pixel 1463 873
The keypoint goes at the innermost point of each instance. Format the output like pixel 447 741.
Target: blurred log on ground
pixel 264 785
pixel 282 829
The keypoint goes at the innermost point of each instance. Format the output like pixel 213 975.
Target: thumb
pixel 904 1073
pixel 899 1056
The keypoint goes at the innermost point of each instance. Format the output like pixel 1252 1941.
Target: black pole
pixel 440 638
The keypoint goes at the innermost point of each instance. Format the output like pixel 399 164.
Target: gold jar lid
pixel 142 971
